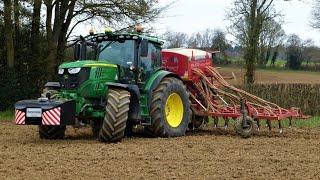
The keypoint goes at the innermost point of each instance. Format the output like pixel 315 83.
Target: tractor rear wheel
pixel 52 132
pixel 114 122
pixel 170 109
pixel 244 132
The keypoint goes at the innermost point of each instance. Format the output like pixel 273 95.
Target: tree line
pixel 256 26
pixel 34 36
pixel 206 40
pixel 274 44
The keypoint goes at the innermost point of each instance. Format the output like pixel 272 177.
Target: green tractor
pixel 115 82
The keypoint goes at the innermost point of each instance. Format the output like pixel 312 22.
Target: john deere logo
pixel 65 76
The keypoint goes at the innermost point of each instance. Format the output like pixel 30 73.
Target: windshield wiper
pixel 107 45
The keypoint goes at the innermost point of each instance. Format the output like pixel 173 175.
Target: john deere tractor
pixel 114 83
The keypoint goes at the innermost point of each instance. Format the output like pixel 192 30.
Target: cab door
pixel 149 64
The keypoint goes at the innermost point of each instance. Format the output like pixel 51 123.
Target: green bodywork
pixel 92 89
pixel 90 96
pixel 144 99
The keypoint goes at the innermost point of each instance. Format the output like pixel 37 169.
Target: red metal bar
pixel 256 111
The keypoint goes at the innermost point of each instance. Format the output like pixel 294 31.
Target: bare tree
pixel 220 43
pixel 194 41
pixel 294 51
pixel 175 39
pixel 247 18
pixel 309 50
pixel 206 39
pixel 8 32
pixel 63 16
pixel 1 11
pixel 35 31
pixel 201 40
pixel 316 15
pixel 272 36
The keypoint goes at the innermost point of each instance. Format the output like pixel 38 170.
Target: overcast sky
pixel 191 16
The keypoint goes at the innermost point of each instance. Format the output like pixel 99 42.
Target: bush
pixel 16 84
pixel 304 96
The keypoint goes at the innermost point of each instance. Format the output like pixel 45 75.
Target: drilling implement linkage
pixel 213 96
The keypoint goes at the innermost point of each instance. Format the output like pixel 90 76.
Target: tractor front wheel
pixel 114 123
pixel 95 127
pixel 51 132
pixel 170 109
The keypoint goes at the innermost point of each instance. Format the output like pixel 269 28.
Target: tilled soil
pixel 204 154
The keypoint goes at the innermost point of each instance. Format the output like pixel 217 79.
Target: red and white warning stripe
pixel 20 117
pixel 51 117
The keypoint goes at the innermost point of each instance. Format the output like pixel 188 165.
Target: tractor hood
pixel 86 63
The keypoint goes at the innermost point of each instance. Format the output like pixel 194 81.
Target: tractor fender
pixel 155 80
pixel 134 112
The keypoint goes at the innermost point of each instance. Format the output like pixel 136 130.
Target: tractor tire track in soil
pixel 204 154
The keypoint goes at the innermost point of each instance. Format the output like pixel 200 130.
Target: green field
pixel 6 115
pixel 272 75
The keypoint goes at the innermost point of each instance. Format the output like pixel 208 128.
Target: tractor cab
pixel 136 56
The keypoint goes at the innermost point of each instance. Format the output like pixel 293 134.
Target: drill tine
pixel 269 125
pixel 258 125
pixel 280 127
pixel 290 122
pixel 216 121
pixel 226 123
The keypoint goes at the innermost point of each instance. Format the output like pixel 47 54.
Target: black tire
pixel 52 132
pixel 96 126
pixel 244 132
pixel 160 127
pixel 114 123
pixel 129 129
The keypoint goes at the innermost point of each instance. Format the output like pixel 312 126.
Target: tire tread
pixel 114 122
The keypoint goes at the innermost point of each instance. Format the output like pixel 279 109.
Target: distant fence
pixel 304 96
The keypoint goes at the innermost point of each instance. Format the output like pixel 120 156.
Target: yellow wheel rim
pixel 174 110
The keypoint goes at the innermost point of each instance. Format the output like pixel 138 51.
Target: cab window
pixel 150 63
pixel 115 52
pixel 153 60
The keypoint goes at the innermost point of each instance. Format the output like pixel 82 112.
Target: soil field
pixel 273 76
pixel 205 154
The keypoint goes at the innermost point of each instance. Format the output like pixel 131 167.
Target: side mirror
pixel 77 51
pixel 144 47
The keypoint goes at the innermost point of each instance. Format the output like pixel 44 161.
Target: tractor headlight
pixel 74 70
pixel 60 71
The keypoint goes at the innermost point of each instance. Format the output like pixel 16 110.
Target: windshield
pixel 114 52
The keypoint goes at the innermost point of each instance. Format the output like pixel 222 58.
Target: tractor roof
pixel 152 38
pixel 127 36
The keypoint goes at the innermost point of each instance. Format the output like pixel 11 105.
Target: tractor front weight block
pixel 45 112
